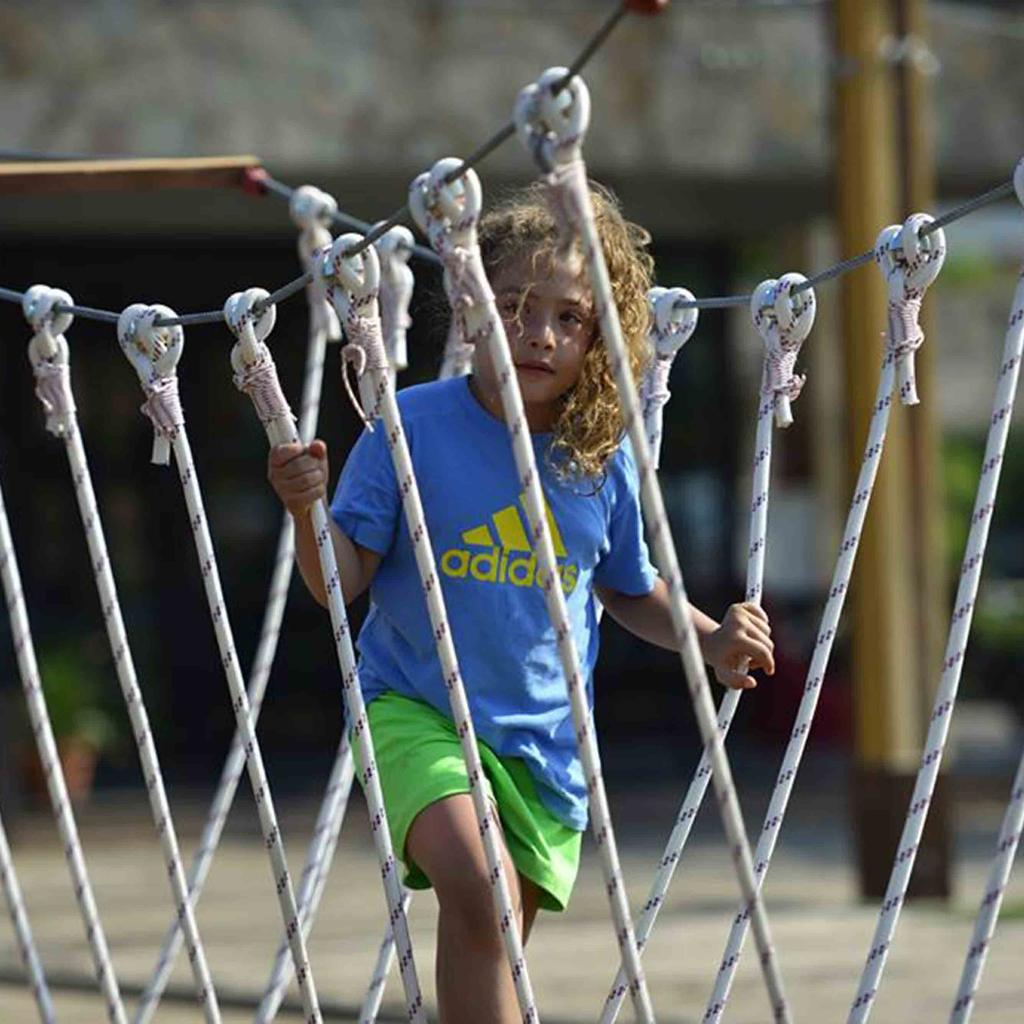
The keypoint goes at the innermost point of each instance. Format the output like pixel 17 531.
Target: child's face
pixel 549 319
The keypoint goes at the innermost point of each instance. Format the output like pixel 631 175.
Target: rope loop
pixel 909 264
pixel 353 281
pixel 394 248
pixel 154 353
pixel 37 305
pixel 552 125
pixel 313 211
pixel 353 284
pixel 250 327
pixel 671 327
pixel 552 128
pixel 448 212
pixel 783 319
pixel 1018 180
pixel 672 323
pixel 49 355
pixel 311 207
pixel 255 373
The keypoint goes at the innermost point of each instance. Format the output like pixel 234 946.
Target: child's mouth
pixel 538 368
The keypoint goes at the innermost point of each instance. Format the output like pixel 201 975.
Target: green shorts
pixel 419 761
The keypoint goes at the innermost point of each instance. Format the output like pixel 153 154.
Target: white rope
pixel 39 718
pixel 552 127
pixel 310 208
pixel 23 933
pixel 394 248
pixel 381 969
pixel 448 214
pixel 253 363
pixel 396 288
pixel 154 352
pixel 379 393
pixel 457 358
pixel 772 305
pixel 314 215
pixel 891 258
pixel 672 326
pixel 315 871
pixel 393 314
pixel 995 887
pixel 48 354
pixel 956 647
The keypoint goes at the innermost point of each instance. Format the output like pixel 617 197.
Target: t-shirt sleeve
pixel 625 564
pixel 366 504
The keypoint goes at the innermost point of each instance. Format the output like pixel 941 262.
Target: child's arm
pixel 741 642
pixel 298 473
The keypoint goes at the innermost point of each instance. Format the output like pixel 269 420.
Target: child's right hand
pixel 298 474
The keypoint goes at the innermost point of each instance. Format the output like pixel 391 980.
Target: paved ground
pixel 822 932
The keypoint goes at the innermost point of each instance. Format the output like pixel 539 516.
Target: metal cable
pixel 716 302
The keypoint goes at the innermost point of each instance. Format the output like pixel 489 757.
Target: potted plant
pixel 82 725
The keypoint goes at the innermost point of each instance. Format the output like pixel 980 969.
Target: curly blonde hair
pixel 589 426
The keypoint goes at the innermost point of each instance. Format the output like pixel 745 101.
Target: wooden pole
pixel 916 121
pixel 125 175
pixel 882 617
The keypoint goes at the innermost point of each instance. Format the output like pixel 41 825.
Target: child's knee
pixel 467 907
pixel 445 842
pixel 466 894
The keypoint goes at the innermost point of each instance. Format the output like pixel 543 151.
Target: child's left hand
pixel 742 642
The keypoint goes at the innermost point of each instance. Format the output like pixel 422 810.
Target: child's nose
pixel 540 332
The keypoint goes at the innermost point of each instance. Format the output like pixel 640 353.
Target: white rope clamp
pixel 311 207
pixel 353 283
pixel 552 127
pixel 48 354
pixel 909 264
pixel 672 325
pixel 313 212
pixel 783 320
pixel 448 213
pixel 394 248
pixel 255 371
pixel 154 353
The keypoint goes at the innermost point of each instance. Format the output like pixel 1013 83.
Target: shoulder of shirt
pixel 621 479
pixel 434 398
pixel 623 462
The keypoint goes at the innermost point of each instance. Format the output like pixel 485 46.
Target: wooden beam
pixel 125 175
pixel 917 144
pixel 886 597
pixel 887 732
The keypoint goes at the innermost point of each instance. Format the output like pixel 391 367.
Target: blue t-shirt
pixel 506 647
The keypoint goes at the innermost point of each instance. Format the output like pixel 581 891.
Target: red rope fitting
pixel 254 181
pixel 645 6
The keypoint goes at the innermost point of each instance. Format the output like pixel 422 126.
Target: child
pixel 506 646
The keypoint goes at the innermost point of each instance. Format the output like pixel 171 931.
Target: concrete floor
pixel 821 930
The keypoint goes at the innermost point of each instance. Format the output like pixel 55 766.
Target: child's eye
pixel 569 316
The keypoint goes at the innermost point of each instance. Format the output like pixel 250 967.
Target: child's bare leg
pixel 474 983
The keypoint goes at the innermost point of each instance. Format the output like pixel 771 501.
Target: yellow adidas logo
pixel 510 558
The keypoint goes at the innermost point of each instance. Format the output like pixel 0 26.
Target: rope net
pixel 46 745
pixel 48 354
pixel 361 284
pixel 309 215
